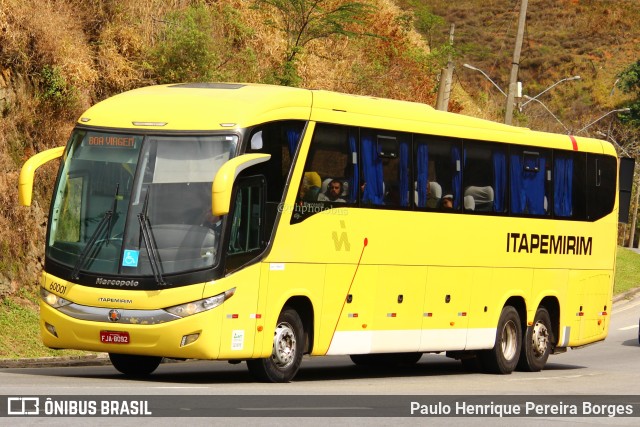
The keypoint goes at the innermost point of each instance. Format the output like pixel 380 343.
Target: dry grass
pixel 591 38
pixel 97 49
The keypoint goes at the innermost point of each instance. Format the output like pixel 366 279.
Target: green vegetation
pixel 200 44
pixel 19 331
pixel 629 82
pixel 303 21
pixel 627 270
pixel 56 91
pixel 185 50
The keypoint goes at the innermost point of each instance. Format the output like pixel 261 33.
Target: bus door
pixel 244 242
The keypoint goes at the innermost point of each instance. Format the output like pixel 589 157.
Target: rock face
pixel 22 232
pixel 11 84
pixel 21 229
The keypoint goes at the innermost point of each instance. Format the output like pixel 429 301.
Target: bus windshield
pixel 137 205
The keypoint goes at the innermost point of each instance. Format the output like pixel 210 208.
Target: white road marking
pixel 635 303
pixel 554 378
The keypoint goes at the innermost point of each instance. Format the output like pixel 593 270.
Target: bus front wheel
pixel 286 357
pixel 537 344
pixel 133 365
pixel 503 357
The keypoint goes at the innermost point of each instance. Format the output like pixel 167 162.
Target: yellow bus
pixel 255 223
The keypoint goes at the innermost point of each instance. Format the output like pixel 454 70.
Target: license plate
pixel 114 337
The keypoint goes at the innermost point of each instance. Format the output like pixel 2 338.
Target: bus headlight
pixel 195 307
pixel 52 299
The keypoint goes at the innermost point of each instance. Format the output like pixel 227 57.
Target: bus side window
pixel 437 173
pixel 246 232
pixel 280 140
pixel 332 162
pixel 530 176
pixel 485 177
pixel 601 185
pixel 385 168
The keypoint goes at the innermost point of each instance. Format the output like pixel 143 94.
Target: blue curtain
pixel 562 186
pixel 456 181
pixel 499 180
pixel 403 170
pixel 353 181
pixel 423 174
pixel 293 137
pixel 527 184
pixel 517 200
pixel 372 172
pixel 533 181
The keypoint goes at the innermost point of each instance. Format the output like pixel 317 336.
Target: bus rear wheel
pixel 537 344
pixel 286 357
pixel 503 357
pixel 134 365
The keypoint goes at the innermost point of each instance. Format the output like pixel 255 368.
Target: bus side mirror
pixel 625 184
pixel 28 171
pixel 224 179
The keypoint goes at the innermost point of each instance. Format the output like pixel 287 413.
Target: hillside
pixel 590 38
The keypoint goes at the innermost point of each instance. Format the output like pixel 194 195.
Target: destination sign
pixel 109 141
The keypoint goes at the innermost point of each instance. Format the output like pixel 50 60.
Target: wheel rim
pixel 540 339
pixel 284 346
pixel 509 340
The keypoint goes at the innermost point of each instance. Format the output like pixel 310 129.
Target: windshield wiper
pixel 104 222
pixel 113 213
pixel 150 241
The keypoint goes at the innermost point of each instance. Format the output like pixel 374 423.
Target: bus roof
pixel 219 106
pixel 199 107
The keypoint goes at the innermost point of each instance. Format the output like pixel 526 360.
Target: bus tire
pixel 134 365
pixel 286 357
pixel 537 344
pixel 503 357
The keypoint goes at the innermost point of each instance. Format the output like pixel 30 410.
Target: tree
pixel 629 82
pixel 185 51
pixel 426 22
pixel 303 21
pixel 202 43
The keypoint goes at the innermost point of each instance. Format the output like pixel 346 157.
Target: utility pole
pixel 444 90
pixel 513 79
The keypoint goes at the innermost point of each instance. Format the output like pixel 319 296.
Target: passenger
pixel 434 193
pixel 309 188
pixel 447 202
pixel 333 193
